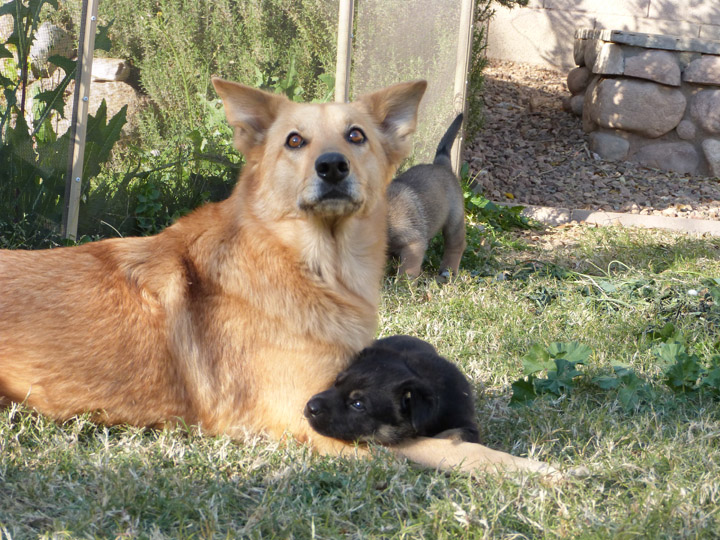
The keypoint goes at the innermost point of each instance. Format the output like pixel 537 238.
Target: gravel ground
pixel 532 152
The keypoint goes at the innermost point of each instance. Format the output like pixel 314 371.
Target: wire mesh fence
pixel 399 41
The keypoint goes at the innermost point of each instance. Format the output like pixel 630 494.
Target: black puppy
pixel 397 388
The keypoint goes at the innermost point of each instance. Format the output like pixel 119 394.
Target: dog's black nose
pixel 332 167
pixel 314 407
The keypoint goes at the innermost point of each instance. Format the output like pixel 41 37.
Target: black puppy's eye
pixel 294 140
pixel 356 136
pixel 357 405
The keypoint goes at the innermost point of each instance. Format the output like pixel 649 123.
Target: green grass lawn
pixel 654 460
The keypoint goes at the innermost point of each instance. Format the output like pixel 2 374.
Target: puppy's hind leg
pixel 411 258
pixel 454 237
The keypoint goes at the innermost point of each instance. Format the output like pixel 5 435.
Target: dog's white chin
pixel 331 208
pixel 324 201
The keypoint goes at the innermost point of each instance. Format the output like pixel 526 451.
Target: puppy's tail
pixel 442 154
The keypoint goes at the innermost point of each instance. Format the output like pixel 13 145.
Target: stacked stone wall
pixel 647 98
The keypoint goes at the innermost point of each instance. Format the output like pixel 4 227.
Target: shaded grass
pixel 655 470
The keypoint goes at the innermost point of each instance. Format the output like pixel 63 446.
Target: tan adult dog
pixel 232 318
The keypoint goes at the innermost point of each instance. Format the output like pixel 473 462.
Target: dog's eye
pixel 356 136
pixel 294 140
pixel 357 405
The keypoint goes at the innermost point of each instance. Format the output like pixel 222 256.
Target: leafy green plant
pixel 714 289
pixel 478 60
pixel 289 85
pixel 33 161
pixel 682 369
pixel 24 235
pixel 484 223
pixel 148 208
pixel 710 377
pixel 559 361
pixel 632 390
pixel 162 187
pixel 144 190
pixel 481 209
pixel 684 372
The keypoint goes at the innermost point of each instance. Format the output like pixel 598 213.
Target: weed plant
pixel 33 159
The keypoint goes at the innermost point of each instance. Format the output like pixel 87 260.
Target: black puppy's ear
pixel 419 404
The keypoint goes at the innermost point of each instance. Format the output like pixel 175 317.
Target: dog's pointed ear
pixel 248 110
pixel 395 110
pixel 419 403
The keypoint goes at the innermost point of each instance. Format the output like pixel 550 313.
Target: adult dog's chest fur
pixel 325 287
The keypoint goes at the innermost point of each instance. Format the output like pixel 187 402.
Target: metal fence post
pixel 462 65
pixel 344 51
pixel 78 125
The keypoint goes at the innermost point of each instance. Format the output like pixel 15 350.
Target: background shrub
pixel 178 45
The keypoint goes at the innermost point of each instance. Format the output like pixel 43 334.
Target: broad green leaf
pixel 606 382
pixel 550 385
pixel 629 398
pixel 537 359
pixel 102 40
pixel 669 353
pixel 622 371
pixel 560 380
pixel 101 137
pixel 571 351
pixel 684 371
pixel 715 294
pixel 52 100
pixel 607 286
pixel 565 369
pixel 711 380
pixel 523 392
pixel 666 333
pixel 67 65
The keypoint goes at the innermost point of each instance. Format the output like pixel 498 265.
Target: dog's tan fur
pixel 234 316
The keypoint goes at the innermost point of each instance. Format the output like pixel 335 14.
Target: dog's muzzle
pixel 333 191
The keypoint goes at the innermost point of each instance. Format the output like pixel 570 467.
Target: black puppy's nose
pixel 314 407
pixel 332 167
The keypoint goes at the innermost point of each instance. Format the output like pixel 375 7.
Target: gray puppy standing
pixel 422 201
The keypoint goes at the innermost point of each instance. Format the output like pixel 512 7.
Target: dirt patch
pixel 533 152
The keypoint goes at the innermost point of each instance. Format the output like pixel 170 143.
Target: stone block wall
pixel 651 99
pixel 541 32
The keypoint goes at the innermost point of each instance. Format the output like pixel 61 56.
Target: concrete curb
pixel 558 216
